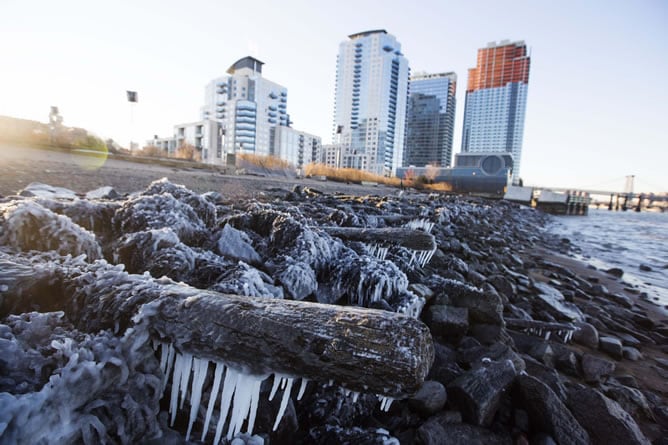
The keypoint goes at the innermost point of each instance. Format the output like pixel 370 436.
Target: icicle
pixel 254 402
pixel 302 388
pixel 164 348
pixel 229 385
pixel 274 387
pixel 176 380
pixel 217 377
pixel 331 382
pixel 200 368
pixel 540 332
pixel 385 403
pixel 155 343
pixel 171 353
pixel 355 396
pixel 284 404
pixel 185 377
pixel 547 335
pixel 242 400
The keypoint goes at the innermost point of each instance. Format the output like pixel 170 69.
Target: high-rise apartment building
pixel 496 97
pixel 247 106
pixel 370 109
pixel 430 120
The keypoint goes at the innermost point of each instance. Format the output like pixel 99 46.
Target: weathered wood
pixel 403 236
pixel 364 350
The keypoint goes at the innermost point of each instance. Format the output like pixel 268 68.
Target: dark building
pixel 430 120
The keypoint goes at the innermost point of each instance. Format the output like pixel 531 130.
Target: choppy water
pixel 625 240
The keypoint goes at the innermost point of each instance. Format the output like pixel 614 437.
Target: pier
pixel 565 201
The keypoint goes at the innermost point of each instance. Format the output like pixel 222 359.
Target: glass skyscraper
pixel 430 120
pixel 496 97
pixel 370 108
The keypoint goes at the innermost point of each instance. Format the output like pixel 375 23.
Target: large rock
pixel 429 399
pixel 434 432
pixel 603 418
pixel 445 368
pixel 595 368
pixel 556 304
pixel 548 414
pixel 483 307
pixel 447 321
pixel 478 392
pixel 236 244
pixel 585 334
pixel 612 346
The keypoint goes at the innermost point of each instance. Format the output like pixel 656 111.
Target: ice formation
pixel 239 394
pixel 26 225
pixel 169 230
pixel 422 224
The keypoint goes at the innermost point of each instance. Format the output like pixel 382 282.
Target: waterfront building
pixel 247 106
pixel 331 154
pixel 370 102
pixel 495 105
pixel 430 120
pixel 296 147
pixel 204 136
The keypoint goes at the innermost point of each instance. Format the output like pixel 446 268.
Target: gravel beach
pixel 529 344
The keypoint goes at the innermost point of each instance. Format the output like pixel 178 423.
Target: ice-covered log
pixel 363 349
pixel 403 236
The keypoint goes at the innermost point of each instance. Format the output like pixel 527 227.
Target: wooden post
pixel 610 205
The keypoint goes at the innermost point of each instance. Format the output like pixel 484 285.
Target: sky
pixel 597 107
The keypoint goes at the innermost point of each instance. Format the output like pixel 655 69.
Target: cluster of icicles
pixel 239 392
pixel 564 334
pixel 421 257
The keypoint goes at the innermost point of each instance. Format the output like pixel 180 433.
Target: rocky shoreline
pixel 530 345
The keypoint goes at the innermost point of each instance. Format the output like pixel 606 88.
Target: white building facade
pixel 247 106
pixel 296 147
pixel 370 105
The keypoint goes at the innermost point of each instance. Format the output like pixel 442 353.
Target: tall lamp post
pixel 133 98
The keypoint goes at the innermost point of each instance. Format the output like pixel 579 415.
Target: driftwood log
pixel 403 236
pixel 364 350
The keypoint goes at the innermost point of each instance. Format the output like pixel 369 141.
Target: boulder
pixel 631 353
pixel 103 193
pixel 548 414
pixel 615 272
pixel 445 368
pixel 447 321
pixel 604 419
pixel 594 368
pixel 478 392
pixel 556 304
pixel 612 346
pixel 483 308
pixel 429 399
pixel 236 244
pixel 434 432
pixel 547 375
pixel 503 285
pixel 585 334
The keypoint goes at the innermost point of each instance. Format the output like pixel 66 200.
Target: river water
pixel 626 240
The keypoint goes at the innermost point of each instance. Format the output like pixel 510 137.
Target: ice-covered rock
pixel 39 190
pixel 236 245
pixel 26 225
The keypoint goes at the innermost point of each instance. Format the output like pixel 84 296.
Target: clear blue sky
pixel 597 107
